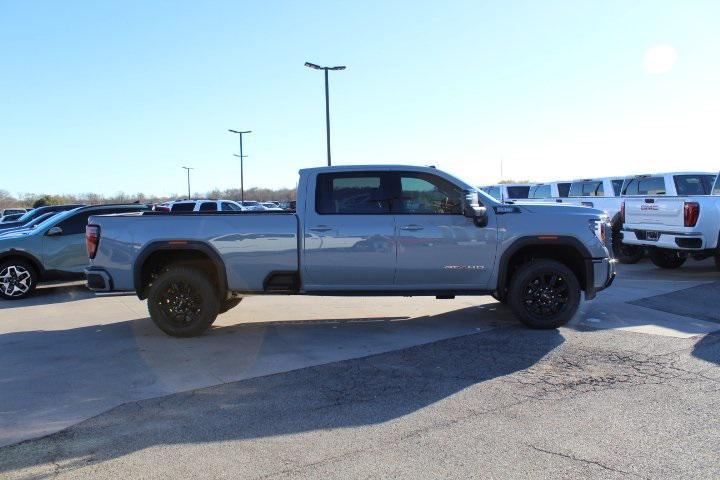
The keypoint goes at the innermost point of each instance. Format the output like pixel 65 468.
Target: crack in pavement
pixel 586 461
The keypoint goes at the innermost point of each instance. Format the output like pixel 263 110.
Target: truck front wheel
pixel 666 258
pixel 544 294
pixel 183 302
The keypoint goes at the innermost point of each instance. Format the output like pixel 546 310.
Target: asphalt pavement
pixel 420 388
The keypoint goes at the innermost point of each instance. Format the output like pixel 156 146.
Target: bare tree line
pixel 34 199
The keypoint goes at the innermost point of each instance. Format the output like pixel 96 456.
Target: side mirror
pixel 473 209
pixel 54 232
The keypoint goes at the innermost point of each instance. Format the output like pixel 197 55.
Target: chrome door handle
pixel 412 228
pixel 320 228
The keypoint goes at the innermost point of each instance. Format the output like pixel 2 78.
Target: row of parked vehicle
pixel 609 194
pixel 48 243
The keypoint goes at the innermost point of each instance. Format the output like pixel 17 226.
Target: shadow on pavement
pixel 349 393
pixel 708 348
pixel 51 294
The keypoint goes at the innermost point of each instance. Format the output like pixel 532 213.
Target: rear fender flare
pixel 177 246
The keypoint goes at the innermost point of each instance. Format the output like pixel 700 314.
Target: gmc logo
pixel 648 206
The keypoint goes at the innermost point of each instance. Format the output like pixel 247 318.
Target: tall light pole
pixel 327 100
pixel 242 186
pixel 188 177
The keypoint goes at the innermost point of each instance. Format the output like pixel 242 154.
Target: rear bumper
pixel 600 275
pixel 672 240
pixel 98 280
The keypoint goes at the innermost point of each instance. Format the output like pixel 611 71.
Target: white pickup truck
pixel 550 191
pixel 507 191
pixel 682 222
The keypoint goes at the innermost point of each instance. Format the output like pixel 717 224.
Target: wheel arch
pixel 158 254
pixel 568 250
pixel 29 257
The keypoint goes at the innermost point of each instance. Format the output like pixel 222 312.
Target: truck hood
pixel 559 209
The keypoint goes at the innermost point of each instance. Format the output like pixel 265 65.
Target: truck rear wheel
pixel 544 294
pixel 183 302
pixel 666 258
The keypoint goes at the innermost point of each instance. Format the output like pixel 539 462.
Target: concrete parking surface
pixel 307 387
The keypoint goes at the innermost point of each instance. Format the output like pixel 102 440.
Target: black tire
pixel 183 302
pixel 18 279
pixel 666 258
pixel 226 305
pixel 544 294
pixel 627 254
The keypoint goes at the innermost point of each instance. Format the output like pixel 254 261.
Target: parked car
pixel 272 206
pixel 10 217
pixel 252 206
pixel 504 192
pixel 34 213
pixel 358 230
pixel 203 205
pixel 12 211
pixel 55 249
pixel 674 228
pixel 550 191
pixel 29 225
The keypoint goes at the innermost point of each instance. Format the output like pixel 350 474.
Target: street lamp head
pixel 236 155
pixel 236 131
pixel 318 67
pixel 189 168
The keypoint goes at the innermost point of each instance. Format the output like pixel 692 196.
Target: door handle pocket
pixel 320 228
pixel 412 227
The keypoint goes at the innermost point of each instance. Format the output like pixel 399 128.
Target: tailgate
pixel 655 211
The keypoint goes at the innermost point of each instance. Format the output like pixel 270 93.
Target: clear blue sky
pixel 109 96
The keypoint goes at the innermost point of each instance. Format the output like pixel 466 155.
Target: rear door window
pixel 563 189
pixel 592 189
pixel 518 192
pixel 208 207
pixel 350 193
pixel 540 191
pixel 617 186
pixel 182 207
pixel 694 184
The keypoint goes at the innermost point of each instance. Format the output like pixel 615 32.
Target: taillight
pixel 691 212
pixel 92 239
pixel 622 213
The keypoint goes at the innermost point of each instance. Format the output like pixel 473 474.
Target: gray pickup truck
pixel 357 231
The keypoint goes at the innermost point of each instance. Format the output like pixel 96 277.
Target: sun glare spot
pixel 659 59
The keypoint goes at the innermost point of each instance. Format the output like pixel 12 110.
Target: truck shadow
pixel 342 394
pixel 708 348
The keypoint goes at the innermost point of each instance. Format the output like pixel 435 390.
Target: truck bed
pixel 251 244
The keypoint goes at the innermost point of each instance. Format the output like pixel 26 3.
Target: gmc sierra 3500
pixel 357 230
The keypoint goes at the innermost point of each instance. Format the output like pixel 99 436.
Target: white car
pixel 272 207
pixel 203 205
pixel 674 227
pixel 252 206
pixel 506 191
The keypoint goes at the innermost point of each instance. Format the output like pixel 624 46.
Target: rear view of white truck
pixel 675 228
